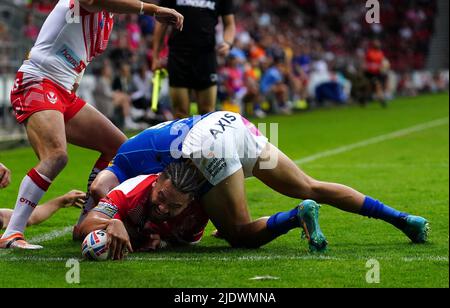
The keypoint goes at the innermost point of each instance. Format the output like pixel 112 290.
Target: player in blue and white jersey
pixel 227 148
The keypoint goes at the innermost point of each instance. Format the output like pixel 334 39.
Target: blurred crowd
pixel 288 55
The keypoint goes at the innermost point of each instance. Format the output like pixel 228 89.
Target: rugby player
pixel 227 148
pixel 151 211
pixel 43 212
pixel 44 99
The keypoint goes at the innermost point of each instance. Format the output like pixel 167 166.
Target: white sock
pixel 32 189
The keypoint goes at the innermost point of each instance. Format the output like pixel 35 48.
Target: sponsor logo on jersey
pixel 52 98
pixel 69 57
pixel 215 166
pixel 221 126
pixel 202 4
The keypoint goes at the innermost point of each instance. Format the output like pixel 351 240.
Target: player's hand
pixel 158 64
pixel 118 240
pixel 73 198
pixel 5 176
pixel 223 49
pixel 170 16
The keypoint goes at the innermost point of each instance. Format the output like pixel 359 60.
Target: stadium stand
pixel 288 54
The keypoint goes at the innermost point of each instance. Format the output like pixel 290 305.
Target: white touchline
pixel 371 141
pixel 375 140
pixel 51 235
pixel 43 238
pixel 240 258
pixel 400 133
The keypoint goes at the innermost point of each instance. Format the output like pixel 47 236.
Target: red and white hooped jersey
pixel 130 202
pixel 67 43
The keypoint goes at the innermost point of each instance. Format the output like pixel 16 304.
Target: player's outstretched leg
pixel 92 130
pixel 226 206
pixel 44 211
pixel 306 216
pixel 287 179
pixel 46 133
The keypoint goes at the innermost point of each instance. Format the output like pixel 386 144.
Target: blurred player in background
pixel 193 52
pixel 227 148
pixel 43 212
pixel 376 66
pixel 151 211
pixel 44 99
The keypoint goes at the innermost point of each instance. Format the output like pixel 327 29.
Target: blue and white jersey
pixel 219 144
pixel 153 150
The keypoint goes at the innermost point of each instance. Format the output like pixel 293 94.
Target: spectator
pixel 30 30
pixel 375 68
pixel 114 104
pixel 274 88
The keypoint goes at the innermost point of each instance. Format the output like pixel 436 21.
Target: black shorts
pixel 192 70
pixel 375 78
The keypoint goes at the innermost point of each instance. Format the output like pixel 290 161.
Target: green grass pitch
pixel 398 155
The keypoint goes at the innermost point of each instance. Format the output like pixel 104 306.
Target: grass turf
pixel 410 172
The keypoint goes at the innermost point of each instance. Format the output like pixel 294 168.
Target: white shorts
pixel 223 143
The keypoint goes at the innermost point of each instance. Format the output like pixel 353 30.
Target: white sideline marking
pixel 378 166
pixel 400 133
pixel 43 238
pixel 375 140
pixel 51 235
pixel 241 258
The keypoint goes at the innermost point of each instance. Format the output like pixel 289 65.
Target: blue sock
pixel 375 209
pixel 282 223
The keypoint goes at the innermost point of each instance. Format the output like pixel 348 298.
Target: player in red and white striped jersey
pixel 149 211
pixel 44 98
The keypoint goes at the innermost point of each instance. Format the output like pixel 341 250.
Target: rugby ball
pixel 94 246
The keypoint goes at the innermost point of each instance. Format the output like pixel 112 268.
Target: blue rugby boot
pixel 308 215
pixel 417 229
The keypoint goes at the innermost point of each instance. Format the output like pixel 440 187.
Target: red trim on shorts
pixel 38 180
pixel 73 110
pixel 28 99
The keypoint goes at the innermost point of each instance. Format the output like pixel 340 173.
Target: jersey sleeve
pixel 226 7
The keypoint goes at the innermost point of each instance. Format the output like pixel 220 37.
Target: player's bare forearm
pixel 158 35
pixel 45 211
pixel 229 31
pixel 94 221
pixel 229 35
pixel 162 14
pixel 119 6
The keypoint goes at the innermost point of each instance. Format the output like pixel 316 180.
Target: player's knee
pixel 58 159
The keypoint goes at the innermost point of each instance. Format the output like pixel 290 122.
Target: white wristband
pixel 141 12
